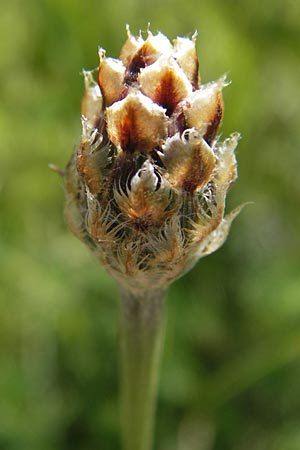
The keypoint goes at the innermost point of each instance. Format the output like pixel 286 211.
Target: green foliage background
pixel 231 369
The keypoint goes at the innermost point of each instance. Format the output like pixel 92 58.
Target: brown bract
pixel 189 161
pixel 136 123
pixel 165 83
pixel 186 56
pixel 203 109
pixel 110 79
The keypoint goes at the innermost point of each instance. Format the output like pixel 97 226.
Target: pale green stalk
pixel 141 337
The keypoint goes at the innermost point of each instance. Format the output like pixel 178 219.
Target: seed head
pixel 146 188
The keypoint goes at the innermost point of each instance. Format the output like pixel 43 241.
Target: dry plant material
pixel 146 188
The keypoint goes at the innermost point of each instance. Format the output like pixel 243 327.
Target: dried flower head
pixel 146 187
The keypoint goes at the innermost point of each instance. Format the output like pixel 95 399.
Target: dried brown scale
pixel 87 168
pixel 145 56
pixel 214 123
pixel 195 79
pixel 146 189
pixel 166 94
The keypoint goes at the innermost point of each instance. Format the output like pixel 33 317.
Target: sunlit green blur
pixel 231 370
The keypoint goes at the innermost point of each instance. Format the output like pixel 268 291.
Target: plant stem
pixel 142 332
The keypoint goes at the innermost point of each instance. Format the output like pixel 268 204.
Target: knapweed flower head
pixel 146 187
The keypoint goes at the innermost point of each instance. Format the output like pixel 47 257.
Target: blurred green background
pixel 231 369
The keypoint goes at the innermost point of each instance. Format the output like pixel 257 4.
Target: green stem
pixel 142 331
